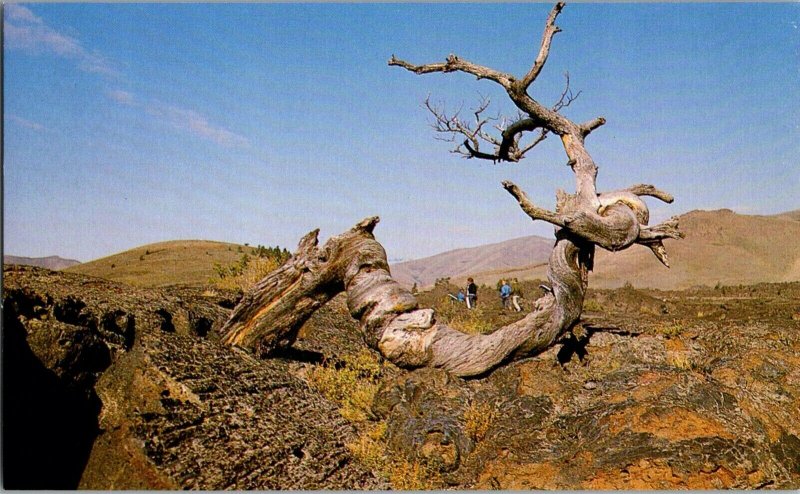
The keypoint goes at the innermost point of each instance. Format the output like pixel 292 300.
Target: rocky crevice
pixel 111 387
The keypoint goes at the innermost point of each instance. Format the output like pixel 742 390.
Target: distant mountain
pixel 51 262
pixel 720 247
pixel 461 263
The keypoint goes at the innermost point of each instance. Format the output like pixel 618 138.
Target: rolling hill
pixel 470 261
pixel 178 262
pixel 720 247
pixel 51 262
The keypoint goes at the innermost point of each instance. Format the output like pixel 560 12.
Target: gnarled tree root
pixel 271 315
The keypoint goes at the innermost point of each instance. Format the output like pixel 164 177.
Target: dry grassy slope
pixel 178 262
pixel 461 263
pixel 720 247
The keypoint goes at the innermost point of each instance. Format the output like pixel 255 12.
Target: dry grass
pixel 413 476
pixel 183 262
pixel 478 419
pixel 371 451
pixel 370 447
pixel 245 275
pixel 470 321
pixel 352 386
pixel 680 361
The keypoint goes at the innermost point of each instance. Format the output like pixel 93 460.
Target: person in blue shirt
pixel 505 294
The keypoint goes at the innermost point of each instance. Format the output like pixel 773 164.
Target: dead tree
pixel 271 314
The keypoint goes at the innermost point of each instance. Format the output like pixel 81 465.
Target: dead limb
pixel 271 315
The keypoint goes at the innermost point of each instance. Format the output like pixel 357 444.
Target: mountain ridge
pixel 50 262
pixel 466 261
pixel 721 247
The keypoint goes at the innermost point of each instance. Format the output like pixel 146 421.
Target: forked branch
pixel 456 64
pixel 271 315
pixel 550 29
pixel 546 119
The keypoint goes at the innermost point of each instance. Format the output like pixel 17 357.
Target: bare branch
pixel 542 136
pixel 660 252
pixel 455 64
pixel 535 212
pixel 588 127
pixel 550 30
pixel 453 126
pixel 475 153
pixel 650 190
pixel 652 236
pixel 567 97
pixel 668 229
pixel 508 150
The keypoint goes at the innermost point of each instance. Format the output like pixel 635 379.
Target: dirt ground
pixel 693 389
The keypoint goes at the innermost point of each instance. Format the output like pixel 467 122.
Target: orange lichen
pixel 649 474
pixel 536 380
pixel 673 424
pixel 675 345
pixel 526 476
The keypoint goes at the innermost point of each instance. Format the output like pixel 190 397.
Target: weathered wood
pixel 272 313
pixel 389 315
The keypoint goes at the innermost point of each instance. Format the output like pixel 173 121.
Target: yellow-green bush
pixel 352 386
pixel 670 330
pixel 407 475
pixel 592 305
pixel 470 321
pixel 370 447
pixel 243 274
pixel 478 419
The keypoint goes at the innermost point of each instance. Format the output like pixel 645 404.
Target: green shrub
pixel 477 420
pixel 352 385
pixel 243 274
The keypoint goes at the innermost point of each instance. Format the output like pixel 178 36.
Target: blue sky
pixel 126 124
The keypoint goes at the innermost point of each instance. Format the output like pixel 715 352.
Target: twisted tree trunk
pixel 273 312
pixel 270 316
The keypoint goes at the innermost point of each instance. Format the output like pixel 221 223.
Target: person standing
pixel 472 293
pixel 505 294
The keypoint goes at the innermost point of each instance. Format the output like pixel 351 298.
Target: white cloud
pixel 121 97
pixel 28 32
pixel 196 124
pixel 23 30
pixel 19 13
pixel 25 123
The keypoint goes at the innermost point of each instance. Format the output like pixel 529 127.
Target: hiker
pixel 472 293
pixel 505 294
pixel 515 302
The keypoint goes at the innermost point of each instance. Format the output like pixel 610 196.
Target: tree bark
pixel 271 315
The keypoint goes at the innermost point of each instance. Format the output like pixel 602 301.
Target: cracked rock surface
pixel 108 386
pixel 113 387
